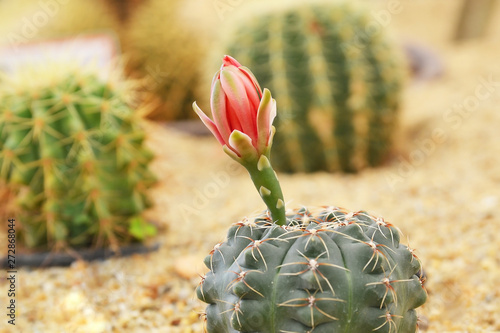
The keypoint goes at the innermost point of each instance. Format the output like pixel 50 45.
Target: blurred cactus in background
pixel 167 41
pixel 72 148
pixel 123 9
pixel 34 20
pixel 337 82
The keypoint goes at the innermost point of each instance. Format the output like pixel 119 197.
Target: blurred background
pixel 99 148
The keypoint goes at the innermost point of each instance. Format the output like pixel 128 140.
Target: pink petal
pixel 234 83
pixel 252 78
pixel 215 78
pixel 208 123
pixel 253 92
pixel 219 111
pixel 228 61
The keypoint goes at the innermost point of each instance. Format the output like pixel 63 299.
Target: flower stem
pixel 266 182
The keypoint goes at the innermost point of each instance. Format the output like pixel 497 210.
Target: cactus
pixel 333 271
pixel 71 145
pixel 165 46
pixel 338 82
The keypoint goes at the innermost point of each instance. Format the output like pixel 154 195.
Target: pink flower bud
pixel 242 113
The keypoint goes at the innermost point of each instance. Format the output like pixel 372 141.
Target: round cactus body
pixel 333 271
pixel 337 81
pixel 70 143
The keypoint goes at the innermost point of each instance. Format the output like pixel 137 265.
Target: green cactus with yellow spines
pixel 72 146
pixel 338 84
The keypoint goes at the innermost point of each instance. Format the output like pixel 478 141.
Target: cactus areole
pixel 305 270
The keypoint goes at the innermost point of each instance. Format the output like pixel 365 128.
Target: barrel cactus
pixel 337 79
pixel 166 41
pixel 304 270
pixel 71 145
pixel 333 271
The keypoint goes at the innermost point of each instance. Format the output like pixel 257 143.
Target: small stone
pixel 73 302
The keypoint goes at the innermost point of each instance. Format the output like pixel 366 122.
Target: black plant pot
pixel 50 259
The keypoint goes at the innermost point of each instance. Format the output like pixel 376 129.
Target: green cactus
pixel 337 81
pixel 333 271
pixel 70 143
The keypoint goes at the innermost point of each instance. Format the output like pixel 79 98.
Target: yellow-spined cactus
pixel 167 42
pixel 72 147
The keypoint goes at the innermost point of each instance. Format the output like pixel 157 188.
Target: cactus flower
pixel 243 117
pixel 242 113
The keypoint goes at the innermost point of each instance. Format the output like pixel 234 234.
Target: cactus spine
pixel 70 142
pixel 337 82
pixel 334 271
